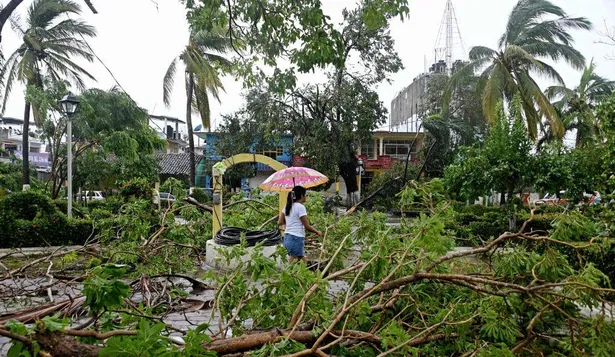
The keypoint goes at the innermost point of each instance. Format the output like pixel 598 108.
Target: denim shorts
pixel 294 245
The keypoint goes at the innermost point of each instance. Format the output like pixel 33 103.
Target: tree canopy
pixel 296 32
pixel 503 164
pixel 537 30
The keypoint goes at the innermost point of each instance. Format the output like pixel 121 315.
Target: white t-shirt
pixel 294 225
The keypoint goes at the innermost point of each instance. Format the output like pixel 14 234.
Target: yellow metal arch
pixel 244 158
pixel 217 183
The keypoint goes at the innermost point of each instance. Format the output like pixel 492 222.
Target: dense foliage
pixel 536 31
pixel 30 219
pixel 50 38
pixel 449 280
pixel 297 33
pixel 404 292
pixel 502 164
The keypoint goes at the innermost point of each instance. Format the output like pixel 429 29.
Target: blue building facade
pixel 281 151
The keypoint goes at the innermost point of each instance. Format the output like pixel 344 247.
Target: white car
pixel 88 196
pixel 165 197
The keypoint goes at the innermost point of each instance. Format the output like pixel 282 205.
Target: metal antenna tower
pixel 449 38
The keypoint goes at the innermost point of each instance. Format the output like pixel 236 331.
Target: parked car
pixel 88 196
pixel 552 199
pixel 593 198
pixel 165 198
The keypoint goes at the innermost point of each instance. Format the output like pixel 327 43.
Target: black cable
pixel 232 236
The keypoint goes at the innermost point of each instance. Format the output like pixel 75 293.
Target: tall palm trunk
pixel 6 12
pixel 25 147
pixel 189 91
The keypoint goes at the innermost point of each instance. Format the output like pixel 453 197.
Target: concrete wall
pixel 408 103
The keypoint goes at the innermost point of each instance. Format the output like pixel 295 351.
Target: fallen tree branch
pixel 200 206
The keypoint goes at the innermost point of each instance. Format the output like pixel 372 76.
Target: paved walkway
pixel 181 320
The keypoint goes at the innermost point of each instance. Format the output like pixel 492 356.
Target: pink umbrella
pixel 285 180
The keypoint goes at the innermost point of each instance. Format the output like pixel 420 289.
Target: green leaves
pixel 148 342
pixel 299 32
pixel 503 164
pixel 53 324
pixel 528 39
pixel 499 327
pixel 104 290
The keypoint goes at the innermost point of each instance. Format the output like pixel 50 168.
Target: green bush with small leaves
pixel 30 219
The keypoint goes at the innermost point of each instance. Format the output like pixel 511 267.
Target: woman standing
pixel 295 218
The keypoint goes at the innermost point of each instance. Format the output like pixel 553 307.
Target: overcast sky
pixel 137 39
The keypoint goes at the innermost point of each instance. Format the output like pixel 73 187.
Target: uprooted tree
pixel 399 292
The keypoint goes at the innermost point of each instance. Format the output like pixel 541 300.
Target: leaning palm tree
pixel 202 58
pixel 537 30
pixel 577 105
pixel 49 47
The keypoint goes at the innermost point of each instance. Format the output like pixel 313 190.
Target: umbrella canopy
pixel 285 180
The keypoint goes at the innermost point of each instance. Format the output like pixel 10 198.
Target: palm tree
pixel 531 37
pixel 201 58
pixel 577 105
pixel 49 46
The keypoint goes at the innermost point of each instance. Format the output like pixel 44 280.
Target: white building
pixel 11 131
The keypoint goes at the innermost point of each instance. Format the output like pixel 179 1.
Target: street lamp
pixel 360 170
pixel 69 107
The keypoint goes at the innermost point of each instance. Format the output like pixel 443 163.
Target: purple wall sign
pixel 36 159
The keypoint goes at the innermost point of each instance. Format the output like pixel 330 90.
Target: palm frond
pixel 215 40
pixel 16 26
pixel 545 70
pixel 459 78
pixel 168 83
pixel 480 52
pixel 70 28
pixel 201 101
pixel 517 54
pixel 68 68
pixel 42 13
pixel 556 52
pixel 555 31
pixel 523 15
pixel 562 92
pixel 10 67
pixel 493 92
pixel 530 89
pixel 68 63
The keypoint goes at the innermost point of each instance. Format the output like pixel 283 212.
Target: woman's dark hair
pixel 296 194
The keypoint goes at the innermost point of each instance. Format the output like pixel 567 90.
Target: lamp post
pixel 69 106
pixel 360 170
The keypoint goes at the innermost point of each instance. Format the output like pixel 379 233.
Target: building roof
pixel 176 164
pixel 162 117
pixel 9 120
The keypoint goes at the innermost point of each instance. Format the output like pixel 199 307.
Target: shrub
pixel 26 205
pixel 389 183
pixel 60 204
pixel 175 187
pixel 30 219
pixel 475 223
pixel 200 195
pixel 137 188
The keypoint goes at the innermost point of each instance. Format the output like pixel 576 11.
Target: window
pixel 273 153
pixel 368 150
pixel 397 148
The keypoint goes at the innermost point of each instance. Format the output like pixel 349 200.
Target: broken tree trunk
pixel 63 345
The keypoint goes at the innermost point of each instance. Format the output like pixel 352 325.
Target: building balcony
pixel 16 136
pixel 382 162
